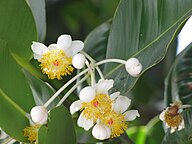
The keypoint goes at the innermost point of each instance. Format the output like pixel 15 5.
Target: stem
pixel 92 73
pixel 93 61
pixel 64 86
pixel 71 90
pixel 111 60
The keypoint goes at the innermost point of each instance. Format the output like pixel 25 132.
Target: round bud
pixel 101 132
pixel 133 67
pixel 78 61
pixel 39 115
pixel 87 94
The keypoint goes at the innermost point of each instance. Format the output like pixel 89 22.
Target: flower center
pixel 96 108
pixel 31 132
pixel 173 120
pixel 116 122
pixel 55 63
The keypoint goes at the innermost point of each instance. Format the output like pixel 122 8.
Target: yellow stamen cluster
pixel 116 122
pixel 173 120
pixel 55 63
pixel 95 109
pixel 31 132
pixel 101 108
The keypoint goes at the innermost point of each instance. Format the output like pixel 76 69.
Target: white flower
pixel 172 117
pixel 79 61
pixel 94 100
pixel 133 67
pixel 39 115
pixel 64 42
pixel 56 59
pixel 101 132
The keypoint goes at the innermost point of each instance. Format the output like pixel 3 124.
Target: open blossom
pixel 56 59
pixel 108 112
pixel 172 117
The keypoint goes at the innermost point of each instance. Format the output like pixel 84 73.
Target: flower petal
pixel 114 95
pixel 131 115
pixel 162 115
pixel 36 56
pixel 121 104
pixel 38 48
pixel 182 125
pixel 103 86
pixel 64 42
pixel 84 123
pixel 172 130
pixel 76 46
pixel 75 106
pixel 52 46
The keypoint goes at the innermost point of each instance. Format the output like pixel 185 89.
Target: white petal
pixel 64 42
pixel 87 94
pixel 181 126
pixel 167 126
pixel 84 123
pixel 172 130
pixel 52 46
pixel 101 132
pixel 103 86
pixel 131 115
pixel 114 95
pixel 36 56
pixel 162 115
pixel 75 106
pixel 79 61
pixel 38 48
pixel 3 135
pixel 121 104
pixel 76 46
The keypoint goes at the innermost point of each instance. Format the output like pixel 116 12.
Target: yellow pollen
pixel 173 120
pixel 95 109
pixel 116 122
pixel 31 132
pixel 55 63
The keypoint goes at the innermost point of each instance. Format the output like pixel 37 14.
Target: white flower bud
pixel 133 67
pixel 39 115
pixel 101 132
pixel 78 61
pixel 87 94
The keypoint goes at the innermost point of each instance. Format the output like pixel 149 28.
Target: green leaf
pixel 178 87
pixel 15 96
pixel 41 91
pixel 60 128
pixel 38 10
pixel 143 29
pixel 17 27
pixel 96 41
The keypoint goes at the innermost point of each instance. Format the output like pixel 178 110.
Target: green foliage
pixel 140 28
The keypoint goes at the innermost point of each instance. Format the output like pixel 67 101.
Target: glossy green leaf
pixel 17 27
pixel 60 128
pixel 143 29
pixel 178 87
pixel 96 41
pixel 15 96
pixel 38 10
pixel 41 91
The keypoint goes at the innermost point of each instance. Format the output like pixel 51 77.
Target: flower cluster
pixel 107 112
pixel 172 117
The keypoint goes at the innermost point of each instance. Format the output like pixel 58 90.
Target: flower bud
pixel 78 61
pixel 133 67
pixel 101 132
pixel 39 115
pixel 87 94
